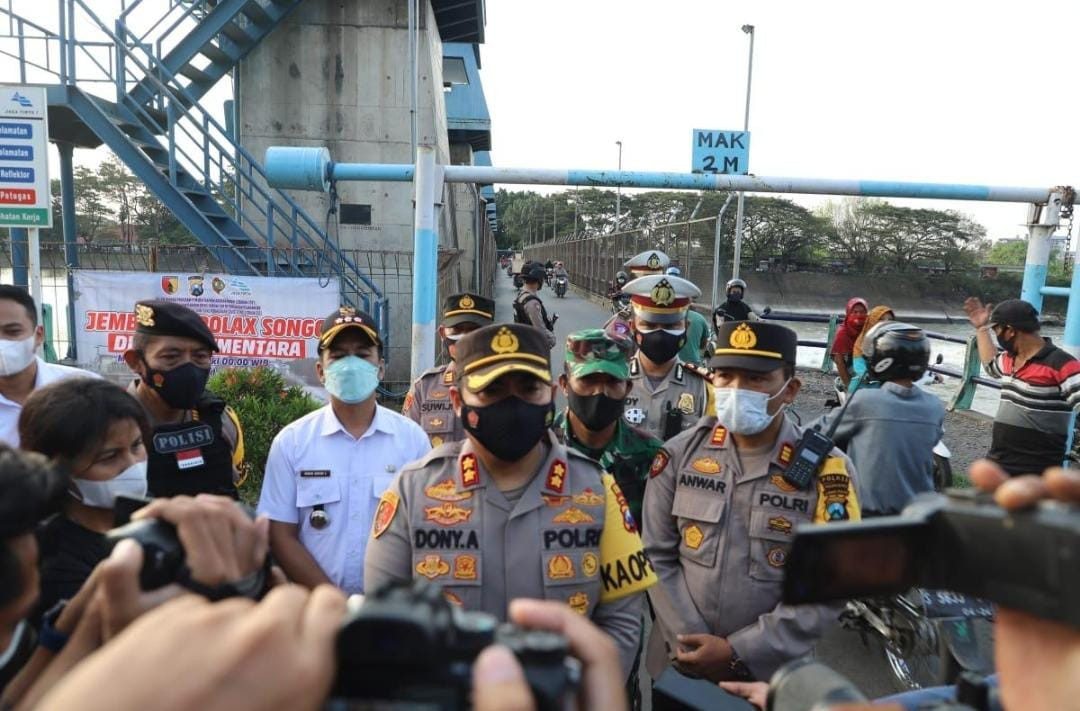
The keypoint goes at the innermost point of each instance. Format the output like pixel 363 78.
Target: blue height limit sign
pixel 726 152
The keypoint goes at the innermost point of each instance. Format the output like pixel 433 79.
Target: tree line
pixel 112 207
pixel 861 234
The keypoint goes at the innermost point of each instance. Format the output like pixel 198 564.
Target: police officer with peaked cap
pixel 668 396
pixel 719 517
pixel 197 446
pixel 510 512
pixel 428 401
pixel 651 261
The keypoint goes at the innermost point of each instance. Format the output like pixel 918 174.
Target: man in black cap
pixel 1040 386
pixel 719 516
pixel 326 471
pixel 428 401
pixel 529 309
pixel 510 511
pixel 197 445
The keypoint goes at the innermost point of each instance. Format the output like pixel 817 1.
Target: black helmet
pixel 622 277
pixel 895 350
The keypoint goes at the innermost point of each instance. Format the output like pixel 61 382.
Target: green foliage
pixel 1012 253
pixel 264 404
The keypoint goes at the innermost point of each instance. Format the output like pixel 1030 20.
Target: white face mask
pixel 15 356
pixel 102 494
pixel 746 412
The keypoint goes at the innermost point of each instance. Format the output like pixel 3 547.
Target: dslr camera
pixel 407 644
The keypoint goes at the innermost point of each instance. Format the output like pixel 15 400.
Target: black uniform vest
pixel 174 449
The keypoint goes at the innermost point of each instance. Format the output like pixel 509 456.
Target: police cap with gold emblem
pixel 754 345
pixel 347 317
pixel 165 318
pixel 468 308
pixel 493 351
pixel 661 298
pixel 651 261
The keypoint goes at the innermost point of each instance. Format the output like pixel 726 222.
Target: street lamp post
pixel 618 190
pixel 737 256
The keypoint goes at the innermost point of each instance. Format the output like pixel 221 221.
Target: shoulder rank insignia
pixel 470 476
pixel 719 436
pixel 446 491
pixel 447 514
pixel 589 498
pixel 556 478
pixel 659 462
pixel 432 566
pixel 785 454
pixel 573 515
pixel 448 377
pixel 384 514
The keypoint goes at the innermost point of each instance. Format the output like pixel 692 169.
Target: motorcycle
pixel 620 303
pixel 928 636
pixel 560 286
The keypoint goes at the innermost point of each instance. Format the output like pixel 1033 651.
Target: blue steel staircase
pixel 154 123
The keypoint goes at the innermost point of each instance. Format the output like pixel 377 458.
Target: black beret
pixel 166 318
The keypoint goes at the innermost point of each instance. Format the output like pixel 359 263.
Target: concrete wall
pixel 336 74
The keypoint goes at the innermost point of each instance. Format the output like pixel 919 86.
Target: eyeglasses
pixel 599 348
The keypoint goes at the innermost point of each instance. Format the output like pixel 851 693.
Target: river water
pixel 986 399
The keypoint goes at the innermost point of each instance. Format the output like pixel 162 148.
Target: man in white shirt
pixel 326 471
pixel 21 371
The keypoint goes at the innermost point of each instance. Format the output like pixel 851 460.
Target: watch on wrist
pixel 739 668
pixel 49 637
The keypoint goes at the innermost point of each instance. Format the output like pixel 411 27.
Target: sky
pixel 945 91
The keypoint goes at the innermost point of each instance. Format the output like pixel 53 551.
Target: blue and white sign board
pixel 25 198
pixel 726 152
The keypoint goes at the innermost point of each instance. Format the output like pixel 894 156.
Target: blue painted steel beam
pixel 1055 291
pixel 19 261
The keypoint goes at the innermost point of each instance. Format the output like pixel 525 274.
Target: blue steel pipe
pixel 1071 339
pixel 312 169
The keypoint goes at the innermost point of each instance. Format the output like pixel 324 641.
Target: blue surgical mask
pixel 351 379
pixel 746 412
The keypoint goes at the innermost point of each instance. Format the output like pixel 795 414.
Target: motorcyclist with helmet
pixel 890 431
pixel 559 272
pixel 734 309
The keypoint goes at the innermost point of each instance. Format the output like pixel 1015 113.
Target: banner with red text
pixel 255 320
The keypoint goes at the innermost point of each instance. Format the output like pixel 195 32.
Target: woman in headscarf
pixel 858 363
pixel 844 342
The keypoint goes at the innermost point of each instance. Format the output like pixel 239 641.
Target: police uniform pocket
pixel 439 426
pixel 771 532
pixel 699 516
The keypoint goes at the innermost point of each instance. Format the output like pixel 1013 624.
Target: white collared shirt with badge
pixel 315 465
pixel 46 373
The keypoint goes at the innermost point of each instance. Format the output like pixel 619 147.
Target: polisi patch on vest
pixel 428 538
pixel 788 503
pixel 572 537
pixel 198 435
pixel 704 483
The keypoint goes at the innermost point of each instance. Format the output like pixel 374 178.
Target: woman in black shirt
pixel 94 430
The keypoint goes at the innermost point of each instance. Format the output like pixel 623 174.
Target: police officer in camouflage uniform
pixel 667 397
pixel 596 383
pixel 719 517
pixel 428 401
pixel 510 512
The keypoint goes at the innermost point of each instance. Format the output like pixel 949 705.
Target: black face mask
pixel 1009 346
pixel 595 411
pixel 659 346
pixel 508 428
pixel 180 387
pixel 734 296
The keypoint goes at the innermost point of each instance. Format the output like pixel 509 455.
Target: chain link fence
pixel 593 260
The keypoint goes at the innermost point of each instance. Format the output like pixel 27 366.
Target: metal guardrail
pixel 970 376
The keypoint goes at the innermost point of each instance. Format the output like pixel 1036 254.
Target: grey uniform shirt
pixel 681 389
pixel 718 537
pixel 428 405
pixel 536 315
pixel 890 433
pixel 444 519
